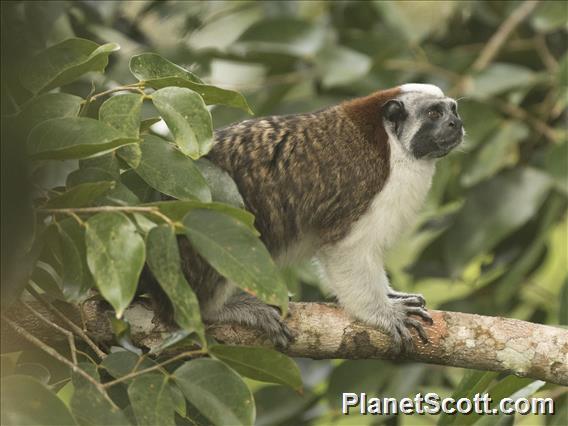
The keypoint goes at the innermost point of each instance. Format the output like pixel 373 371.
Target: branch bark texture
pixel 324 331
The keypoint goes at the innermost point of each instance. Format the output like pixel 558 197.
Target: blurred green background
pixel 493 237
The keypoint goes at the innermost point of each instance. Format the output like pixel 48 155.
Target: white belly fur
pixel 395 207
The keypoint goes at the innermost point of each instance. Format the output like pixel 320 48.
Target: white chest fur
pixel 396 206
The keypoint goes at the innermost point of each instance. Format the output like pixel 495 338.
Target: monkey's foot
pixel 410 299
pixel 400 321
pixel 249 311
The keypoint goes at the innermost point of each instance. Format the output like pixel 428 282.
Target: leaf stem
pixel 101 209
pixel 70 337
pixel 52 352
pixel 67 321
pixel 187 354
pixel 135 87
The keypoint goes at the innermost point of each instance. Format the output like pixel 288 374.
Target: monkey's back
pixel 302 175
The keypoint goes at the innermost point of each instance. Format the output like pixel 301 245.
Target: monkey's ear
pixel 394 110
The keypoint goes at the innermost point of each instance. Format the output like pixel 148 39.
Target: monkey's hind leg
pixel 242 308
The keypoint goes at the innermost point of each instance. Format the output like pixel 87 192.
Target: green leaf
pixel 25 401
pixel 496 153
pixel 555 165
pixel 472 382
pixel 283 35
pixel 121 331
pixel 89 406
pixel 157 72
pixel 122 112
pixel 478 112
pixel 151 400
pixel 166 169
pixel 87 175
pixel 417 20
pixel 48 106
pixel 8 363
pixel 123 362
pixel 165 263
pixel 498 78
pixel 72 137
pixel 34 370
pixel 151 66
pixel 176 339
pixel 138 186
pixel 216 391
pixel 550 16
pixel 237 254
pixel 513 387
pixel 340 65
pixel 178 399
pixel 563 308
pixel 223 187
pixel 77 279
pixel 365 375
pixel 63 63
pixel 492 211
pixel 81 195
pixel 188 119
pixel 107 162
pixel 279 405
pixel 120 194
pixel 176 210
pixel 500 390
pixel 264 364
pixel 115 255
pixel 146 124
pixel 131 153
pixel 48 279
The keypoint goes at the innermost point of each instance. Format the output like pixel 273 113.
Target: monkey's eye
pixel 455 109
pixel 434 114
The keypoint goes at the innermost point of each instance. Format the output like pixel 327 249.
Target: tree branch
pixel 323 331
pixel 494 44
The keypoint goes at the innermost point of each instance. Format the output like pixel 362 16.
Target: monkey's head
pixel 424 121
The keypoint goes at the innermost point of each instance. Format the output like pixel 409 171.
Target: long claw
pixel 419 328
pixel 421 312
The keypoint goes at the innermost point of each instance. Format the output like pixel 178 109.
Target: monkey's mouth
pixel 445 146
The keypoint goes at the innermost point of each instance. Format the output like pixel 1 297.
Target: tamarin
pixel 339 185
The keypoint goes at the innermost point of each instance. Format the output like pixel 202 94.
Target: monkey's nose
pixel 455 123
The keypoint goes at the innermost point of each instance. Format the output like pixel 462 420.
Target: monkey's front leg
pixel 411 299
pixel 362 288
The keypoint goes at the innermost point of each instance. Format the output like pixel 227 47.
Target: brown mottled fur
pixel 306 174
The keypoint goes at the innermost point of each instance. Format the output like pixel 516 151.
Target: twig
pixel 67 333
pixel 102 209
pixel 133 374
pixel 543 51
pixel 519 113
pixel 70 323
pixel 494 45
pixel 496 42
pixel 77 218
pixel 52 352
